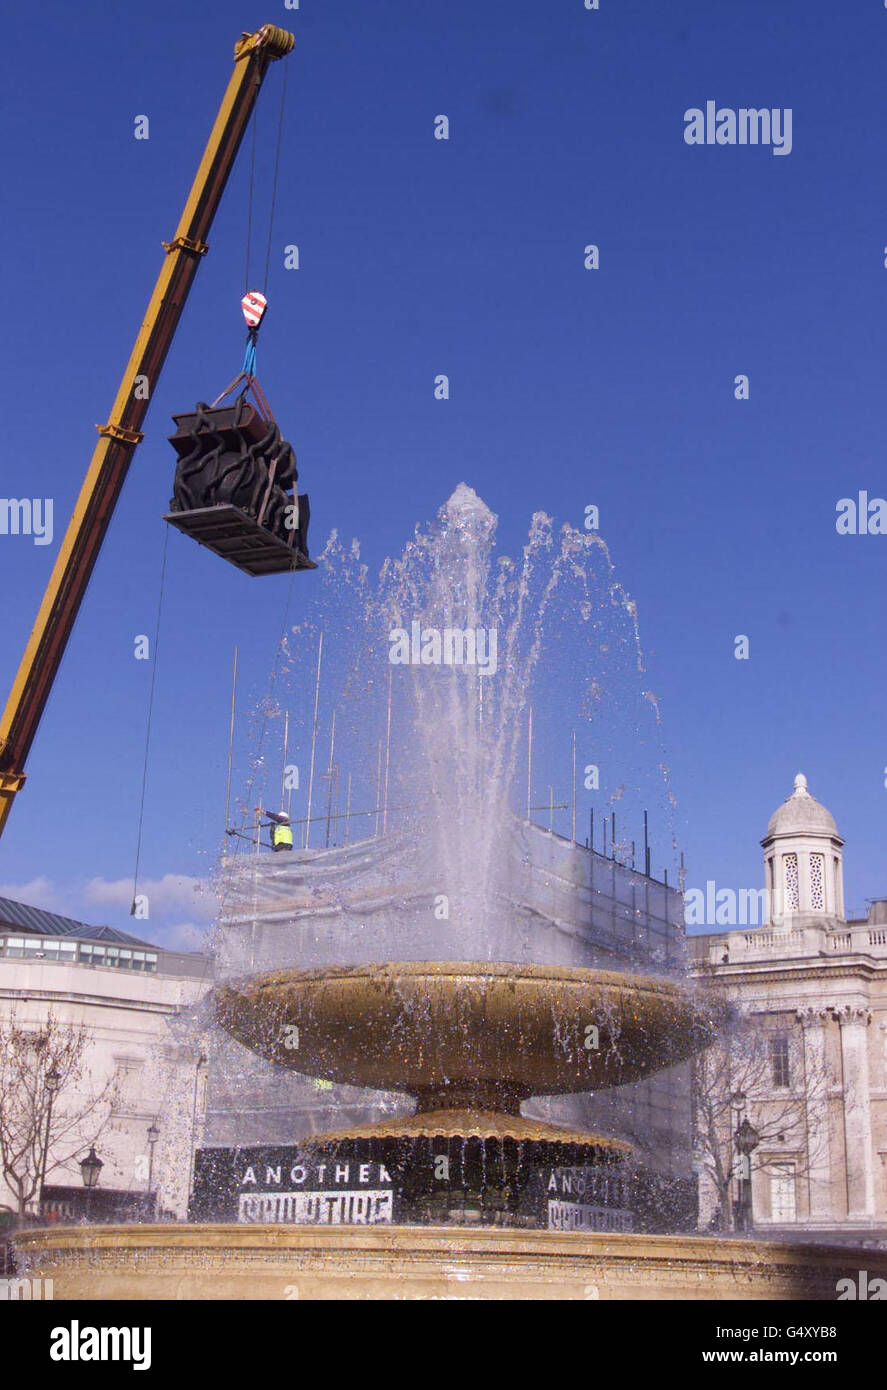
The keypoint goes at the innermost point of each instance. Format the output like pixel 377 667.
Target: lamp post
pixel 90 1167
pixel 52 1082
pixel 153 1136
pixel 746 1140
pixel 737 1107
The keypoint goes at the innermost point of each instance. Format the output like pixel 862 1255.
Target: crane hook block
pixel 234 489
pixel 253 305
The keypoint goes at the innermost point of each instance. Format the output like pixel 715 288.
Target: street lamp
pixel 736 1102
pixel 90 1167
pixel 153 1136
pixel 52 1083
pixel 746 1140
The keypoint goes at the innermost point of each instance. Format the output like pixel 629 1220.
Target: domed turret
pixel 801 812
pixel 802 859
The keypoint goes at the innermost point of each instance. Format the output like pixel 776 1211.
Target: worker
pixel 281 830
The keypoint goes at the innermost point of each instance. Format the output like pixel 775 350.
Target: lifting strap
pixel 249 385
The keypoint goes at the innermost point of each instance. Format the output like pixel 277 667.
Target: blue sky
pixel 568 386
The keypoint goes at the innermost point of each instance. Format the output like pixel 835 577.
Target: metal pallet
pixel 234 536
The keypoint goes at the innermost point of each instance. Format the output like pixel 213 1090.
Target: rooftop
pixel 37 922
pixel 31 934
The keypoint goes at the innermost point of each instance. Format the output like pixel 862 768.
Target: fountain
pixel 451 960
pixel 470 1041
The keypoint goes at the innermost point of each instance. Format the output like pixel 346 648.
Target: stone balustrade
pixel 853 938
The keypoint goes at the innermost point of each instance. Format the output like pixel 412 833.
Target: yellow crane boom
pixel 120 436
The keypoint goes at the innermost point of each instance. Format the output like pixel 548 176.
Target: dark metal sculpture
pixel 234 488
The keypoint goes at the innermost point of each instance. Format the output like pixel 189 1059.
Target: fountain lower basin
pixel 341 1263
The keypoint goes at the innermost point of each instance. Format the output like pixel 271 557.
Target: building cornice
pixel 102 1001
pixel 805 969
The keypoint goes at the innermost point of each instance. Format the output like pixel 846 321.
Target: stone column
pixel 819 1172
pixel 839 883
pixel 854 1021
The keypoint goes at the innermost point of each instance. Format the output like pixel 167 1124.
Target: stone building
pixel 132 1000
pixel 815 985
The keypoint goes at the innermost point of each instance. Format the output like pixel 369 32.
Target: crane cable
pixel 135 879
pixel 258 762
pixel 274 181
pixel 248 368
pixel 250 199
pixel 249 365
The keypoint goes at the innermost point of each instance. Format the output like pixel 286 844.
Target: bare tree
pixel 734 1079
pixel 46 1115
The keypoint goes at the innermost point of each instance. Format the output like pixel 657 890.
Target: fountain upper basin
pixel 473 1033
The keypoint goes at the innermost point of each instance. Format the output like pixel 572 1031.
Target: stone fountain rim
pixel 743 1253
pixel 500 971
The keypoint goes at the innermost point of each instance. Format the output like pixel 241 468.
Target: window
pixel 790 882
pixel 128 1077
pixel 144 960
pixel 782 1193
pixel 50 947
pixel 817 882
pixel 779 1068
pixel 70 952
